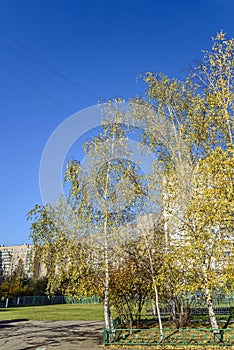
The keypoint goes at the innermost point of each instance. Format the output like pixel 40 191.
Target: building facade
pixel 10 257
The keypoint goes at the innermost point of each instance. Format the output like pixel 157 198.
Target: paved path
pixel 48 335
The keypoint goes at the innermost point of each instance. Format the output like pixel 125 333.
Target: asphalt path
pixel 48 335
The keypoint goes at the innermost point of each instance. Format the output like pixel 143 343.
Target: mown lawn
pixel 88 312
pixel 66 312
pixel 170 347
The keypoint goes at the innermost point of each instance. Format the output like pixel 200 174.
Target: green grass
pixel 65 312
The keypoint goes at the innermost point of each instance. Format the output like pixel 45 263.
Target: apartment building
pixel 10 257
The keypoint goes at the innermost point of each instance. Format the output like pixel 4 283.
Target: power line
pixel 47 66
pixel 35 87
pixel 25 59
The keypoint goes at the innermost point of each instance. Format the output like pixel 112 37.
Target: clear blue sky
pixel 100 46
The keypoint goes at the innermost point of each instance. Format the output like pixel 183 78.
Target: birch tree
pixel 210 229
pixel 200 111
pixel 105 192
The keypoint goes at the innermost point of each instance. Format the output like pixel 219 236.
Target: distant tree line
pixel 19 284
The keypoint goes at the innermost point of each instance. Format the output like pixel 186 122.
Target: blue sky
pixel 59 56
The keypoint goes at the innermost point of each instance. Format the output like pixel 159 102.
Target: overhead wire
pixel 48 66
pixel 25 59
pixel 35 62
pixel 34 87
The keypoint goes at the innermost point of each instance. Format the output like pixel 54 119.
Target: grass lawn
pixel 169 347
pixel 66 312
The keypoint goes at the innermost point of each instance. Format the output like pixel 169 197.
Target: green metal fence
pixel 82 300
pixel 195 303
pixel 34 300
pixel 173 337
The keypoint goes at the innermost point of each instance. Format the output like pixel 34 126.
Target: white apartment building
pixel 10 257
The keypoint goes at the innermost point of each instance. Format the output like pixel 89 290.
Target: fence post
pixel 104 337
pixel 184 336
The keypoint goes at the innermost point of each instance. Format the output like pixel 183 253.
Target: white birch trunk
pixel 106 295
pixel 155 289
pixel 107 312
pixel 213 320
pixel 158 310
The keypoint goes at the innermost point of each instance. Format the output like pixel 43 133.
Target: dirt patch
pixel 47 335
